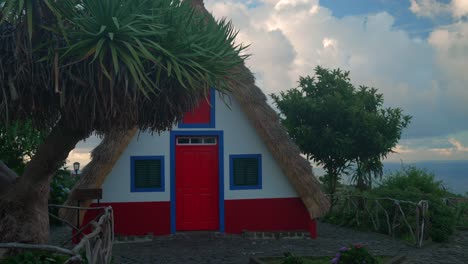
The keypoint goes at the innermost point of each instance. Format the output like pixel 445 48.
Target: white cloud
pixel 435 8
pixel 429 8
pixel 459 8
pixel 447 148
pixel 456 150
pixel 272 49
pixel 378 55
pixel 451 44
pixel 457 145
pixel 81 155
pixel 401 149
pixel 451 55
pixel 289 4
pixel 329 43
pixel 425 77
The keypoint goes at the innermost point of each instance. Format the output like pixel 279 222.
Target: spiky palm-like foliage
pixel 99 64
pixel 77 66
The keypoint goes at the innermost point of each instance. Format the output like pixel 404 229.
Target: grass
pixel 313 260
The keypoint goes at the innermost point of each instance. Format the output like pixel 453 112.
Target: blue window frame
pixel 147 173
pixel 210 124
pixel 245 171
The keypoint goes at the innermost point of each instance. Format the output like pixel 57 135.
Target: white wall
pixel 239 138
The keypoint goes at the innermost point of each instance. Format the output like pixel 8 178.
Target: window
pixel 245 171
pixel 147 173
pixel 196 140
pixel 203 116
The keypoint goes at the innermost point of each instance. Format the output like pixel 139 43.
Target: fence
pixel 383 214
pixel 95 247
pixel 460 206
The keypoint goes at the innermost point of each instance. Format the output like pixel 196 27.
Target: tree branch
pixel 52 152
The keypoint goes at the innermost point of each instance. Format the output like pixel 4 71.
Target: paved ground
pixel 232 249
pixel 215 248
pixel 455 251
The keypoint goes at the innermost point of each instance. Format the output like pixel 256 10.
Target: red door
pixel 197 185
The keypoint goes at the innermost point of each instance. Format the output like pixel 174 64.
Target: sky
pixel 415 52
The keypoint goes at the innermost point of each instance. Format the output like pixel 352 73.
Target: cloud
pixel 425 77
pixel 459 8
pixel 451 59
pixel 290 4
pixel 429 8
pixel 434 8
pixel 448 148
pixel 288 41
pixel 274 53
pixel 451 49
pixel 457 146
pixel 457 149
pixel 402 149
pixel 81 155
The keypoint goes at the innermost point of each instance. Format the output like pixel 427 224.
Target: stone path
pixel 232 249
pixel 200 247
pixel 455 251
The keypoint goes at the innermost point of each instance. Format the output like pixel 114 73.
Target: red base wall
pixel 139 218
pixel 278 214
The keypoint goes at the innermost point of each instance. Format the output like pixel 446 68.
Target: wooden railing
pixel 384 215
pixel 95 247
pixel 460 206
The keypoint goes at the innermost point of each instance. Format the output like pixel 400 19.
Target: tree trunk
pixel 93 175
pixel 7 177
pixel 23 206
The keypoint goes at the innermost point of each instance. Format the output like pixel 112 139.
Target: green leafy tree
pixel 74 67
pixel 337 125
pixel 18 142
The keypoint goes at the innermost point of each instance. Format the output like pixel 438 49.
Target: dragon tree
pixel 77 67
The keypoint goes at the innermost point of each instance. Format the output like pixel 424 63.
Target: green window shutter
pixel 148 173
pixel 245 171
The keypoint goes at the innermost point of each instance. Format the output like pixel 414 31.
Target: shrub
pixel 413 184
pixel 408 184
pixel 356 254
pixel 60 187
pixel 290 258
pixel 442 221
pixel 29 257
pixel 461 214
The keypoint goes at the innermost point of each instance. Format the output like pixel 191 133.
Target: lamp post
pixel 76 167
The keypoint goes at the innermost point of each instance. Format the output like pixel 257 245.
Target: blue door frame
pixel 217 133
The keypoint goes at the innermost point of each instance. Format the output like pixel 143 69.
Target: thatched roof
pixel 263 118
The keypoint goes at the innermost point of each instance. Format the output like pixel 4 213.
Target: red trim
pixel 278 214
pixel 138 218
pixel 201 114
pixel 313 228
